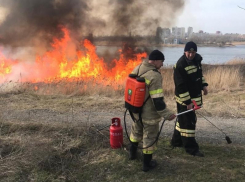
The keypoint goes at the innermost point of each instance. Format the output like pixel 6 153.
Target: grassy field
pixel 50 134
pixel 55 152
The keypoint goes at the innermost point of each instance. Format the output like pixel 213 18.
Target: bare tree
pixel 241 7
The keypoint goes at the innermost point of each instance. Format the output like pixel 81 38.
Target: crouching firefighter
pixel 146 123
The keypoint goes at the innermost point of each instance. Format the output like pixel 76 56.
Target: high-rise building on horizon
pixel 166 32
pixel 178 32
pixel 190 31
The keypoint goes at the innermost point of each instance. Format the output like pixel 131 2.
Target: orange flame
pixel 5 65
pixel 65 62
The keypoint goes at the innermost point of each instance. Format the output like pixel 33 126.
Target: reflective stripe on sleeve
pixel 178 100
pixel 156 93
pixel 198 100
pixel 182 99
pixel 184 94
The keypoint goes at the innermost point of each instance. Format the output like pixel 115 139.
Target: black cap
pixel 190 46
pixel 156 55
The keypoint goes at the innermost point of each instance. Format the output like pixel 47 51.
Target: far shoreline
pixel 166 45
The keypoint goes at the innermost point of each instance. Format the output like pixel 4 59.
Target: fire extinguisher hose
pixel 157 137
pixel 98 130
pixel 227 138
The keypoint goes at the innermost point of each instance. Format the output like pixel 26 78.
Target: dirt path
pixel 81 110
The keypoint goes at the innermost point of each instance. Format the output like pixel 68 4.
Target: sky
pixel 207 15
pixel 213 15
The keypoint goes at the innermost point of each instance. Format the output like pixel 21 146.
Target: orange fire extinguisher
pixel 116 133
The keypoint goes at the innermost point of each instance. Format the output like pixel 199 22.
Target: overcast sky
pixel 213 15
pixel 207 15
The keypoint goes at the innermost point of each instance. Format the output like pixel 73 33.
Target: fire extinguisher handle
pixel 193 109
pixel 195 105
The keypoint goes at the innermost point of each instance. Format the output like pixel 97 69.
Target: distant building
pixel 174 31
pixel 178 32
pixel 166 32
pixel 200 31
pixel 162 34
pixel 189 31
pixel 182 29
pixel 159 35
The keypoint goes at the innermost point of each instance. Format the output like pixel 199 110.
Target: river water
pixel 211 55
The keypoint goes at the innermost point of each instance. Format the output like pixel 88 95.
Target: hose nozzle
pixel 228 139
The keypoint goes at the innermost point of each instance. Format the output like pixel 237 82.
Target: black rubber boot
pixel 133 151
pixel 148 163
pixel 198 154
pixel 175 144
pixel 176 140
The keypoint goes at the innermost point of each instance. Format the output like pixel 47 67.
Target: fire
pixel 68 61
pixel 87 65
pixel 5 65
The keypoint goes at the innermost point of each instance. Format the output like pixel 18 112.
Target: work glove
pixel 167 114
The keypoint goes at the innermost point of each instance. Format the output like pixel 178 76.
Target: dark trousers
pixel 184 132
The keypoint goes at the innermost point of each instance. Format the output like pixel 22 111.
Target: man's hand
pixel 190 106
pixel 171 117
pixel 205 90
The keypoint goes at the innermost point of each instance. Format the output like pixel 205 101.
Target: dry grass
pixel 64 87
pixel 48 135
pixel 168 85
pixel 227 77
pixel 237 61
pixel 238 43
pixel 223 78
pixel 72 153
pixel 224 81
pixel 46 152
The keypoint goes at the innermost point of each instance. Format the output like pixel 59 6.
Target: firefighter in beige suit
pixel 153 110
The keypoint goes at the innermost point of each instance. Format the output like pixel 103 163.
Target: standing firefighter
pixel 152 112
pixel 189 83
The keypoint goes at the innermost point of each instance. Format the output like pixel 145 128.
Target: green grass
pixel 221 163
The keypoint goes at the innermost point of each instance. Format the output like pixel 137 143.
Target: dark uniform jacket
pixel 189 80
